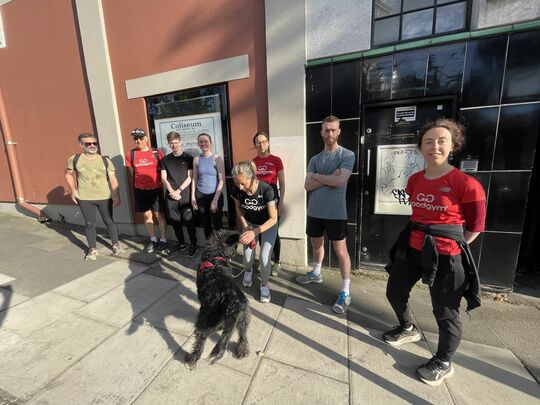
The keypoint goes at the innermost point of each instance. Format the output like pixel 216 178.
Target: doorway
pixel 389 155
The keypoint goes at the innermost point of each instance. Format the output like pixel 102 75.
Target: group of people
pixel 433 247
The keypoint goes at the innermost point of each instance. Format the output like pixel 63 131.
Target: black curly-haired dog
pixel 223 304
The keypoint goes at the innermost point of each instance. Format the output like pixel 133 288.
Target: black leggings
pixel 446 294
pixel 88 211
pixel 206 216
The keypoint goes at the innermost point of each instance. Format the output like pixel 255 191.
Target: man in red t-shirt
pixel 143 164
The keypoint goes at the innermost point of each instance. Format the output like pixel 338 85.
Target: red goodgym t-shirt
pixel 439 201
pixel 268 168
pixel 145 169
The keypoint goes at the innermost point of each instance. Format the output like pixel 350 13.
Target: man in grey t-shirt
pixel 326 181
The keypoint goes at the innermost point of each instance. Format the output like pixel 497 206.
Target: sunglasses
pixel 138 138
pixel 88 144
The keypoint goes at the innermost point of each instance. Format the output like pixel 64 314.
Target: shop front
pixel 492 85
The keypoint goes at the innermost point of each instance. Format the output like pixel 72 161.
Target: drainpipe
pixel 13 163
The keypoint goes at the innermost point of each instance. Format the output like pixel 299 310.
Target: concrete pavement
pixel 115 331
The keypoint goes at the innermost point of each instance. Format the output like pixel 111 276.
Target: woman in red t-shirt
pixel 438 195
pixel 270 170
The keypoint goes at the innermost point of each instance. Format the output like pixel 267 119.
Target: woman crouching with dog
pixel 448 213
pixel 256 209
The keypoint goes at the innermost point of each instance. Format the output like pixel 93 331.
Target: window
pixel 405 20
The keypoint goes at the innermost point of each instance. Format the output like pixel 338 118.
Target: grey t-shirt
pixel 329 202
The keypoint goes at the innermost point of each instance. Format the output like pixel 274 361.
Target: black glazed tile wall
pixel 352 198
pixel 522 76
pixel 346 89
pixel 314 141
pixel 507 201
pixel 349 138
pixel 499 259
pixel 484 66
pixel 377 78
pixel 481 126
pixel 517 136
pixel 318 93
pixel 409 75
pixel 445 69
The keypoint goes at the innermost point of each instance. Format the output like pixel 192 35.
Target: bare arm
pixel 310 183
pixel 470 236
pixel 69 176
pixel 250 234
pixel 240 213
pixel 114 187
pixel 175 194
pixel 281 180
pixel 194 180
pixel 220 166
pixel 337 179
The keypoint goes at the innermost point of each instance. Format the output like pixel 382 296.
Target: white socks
pixel 345 285
pixel 153 238
pixel 316 269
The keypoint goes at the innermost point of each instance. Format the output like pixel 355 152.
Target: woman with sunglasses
pixel 208 180
pixel 270 170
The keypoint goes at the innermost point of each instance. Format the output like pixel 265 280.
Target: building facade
pixel 239 66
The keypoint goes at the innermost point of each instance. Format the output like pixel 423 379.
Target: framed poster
pixel 395 164
pixel 189 127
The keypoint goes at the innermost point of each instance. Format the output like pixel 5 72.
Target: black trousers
pixel 206 216
pixel 446 294
pixel 180 213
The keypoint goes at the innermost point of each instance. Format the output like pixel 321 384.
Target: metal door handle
pixel 368 161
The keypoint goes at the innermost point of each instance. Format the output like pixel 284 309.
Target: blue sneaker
pixel 342 303
pixel 309 277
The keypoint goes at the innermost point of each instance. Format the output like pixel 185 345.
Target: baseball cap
pixel 138 133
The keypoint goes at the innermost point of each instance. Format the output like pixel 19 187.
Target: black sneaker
pixel 434 372
pixel 181 247
pixel 150 247
pixel 161 246
pixel 192 251
pixel 398 336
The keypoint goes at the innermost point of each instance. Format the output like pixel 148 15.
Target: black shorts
pixel 336 229
pixel 148 200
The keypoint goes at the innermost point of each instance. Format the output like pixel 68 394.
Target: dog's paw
pixel 216 354
pixel 242 350
pixel 191 360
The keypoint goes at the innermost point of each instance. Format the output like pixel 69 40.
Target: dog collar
pixel 206 265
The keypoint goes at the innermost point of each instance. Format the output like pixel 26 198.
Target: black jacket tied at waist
pixel 430 256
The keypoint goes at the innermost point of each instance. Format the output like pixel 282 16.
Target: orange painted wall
pixel 43 81
pixel 148 37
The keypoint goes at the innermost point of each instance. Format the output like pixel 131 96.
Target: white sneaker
pixel 265 293
pixel 247 278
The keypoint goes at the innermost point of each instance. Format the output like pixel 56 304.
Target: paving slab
pixel 116 372
pixel 383 374
pixel 8 299
pixel 263 319
pixel 310 336
pixel 123 303
pixel 490 375
pixel 32 362
pixel 5 279
pixel 177 384
pixel 93 285
pixel 38 312
pixel 278 383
